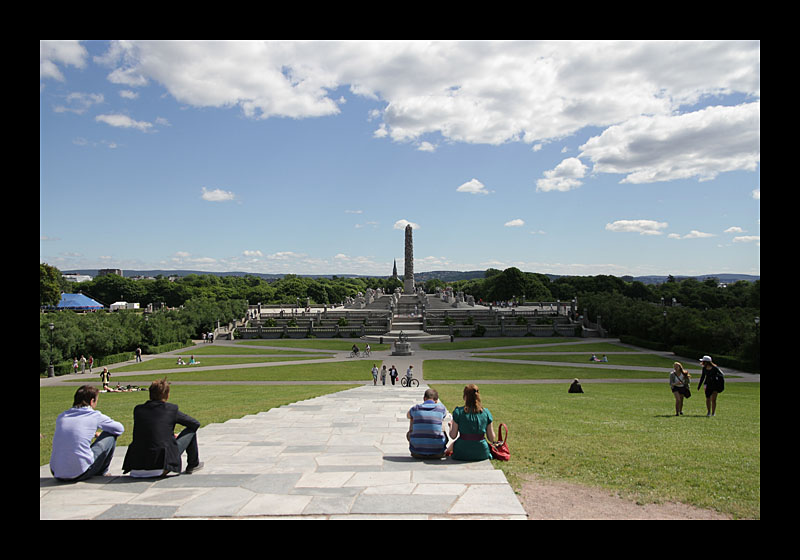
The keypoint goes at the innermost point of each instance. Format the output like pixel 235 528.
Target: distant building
pixel 117 305
pixel 75 277
pixel 106 271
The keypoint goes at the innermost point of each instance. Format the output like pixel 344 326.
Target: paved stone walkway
pixel 339 456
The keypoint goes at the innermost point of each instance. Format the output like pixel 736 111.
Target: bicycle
pixel 367 353
pixel 354 354
pixel 409 382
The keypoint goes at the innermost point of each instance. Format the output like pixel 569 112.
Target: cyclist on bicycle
pixel 409 375
pixel 367 350
pixel 355 350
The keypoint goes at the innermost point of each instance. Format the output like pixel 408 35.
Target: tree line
pixel 699 314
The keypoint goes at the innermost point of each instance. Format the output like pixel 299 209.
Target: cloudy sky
pixel 311 157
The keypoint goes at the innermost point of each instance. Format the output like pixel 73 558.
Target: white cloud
pixel 694 234
pixel 642 227
pixel 515 223
pixel 401 224
pixel 426 147
pixel 285 255
pixel 124 121
pixel 565 176
pixel 734 229
pixel 747 239
pixel 255 253
pixel 756 194
pixel 79 103
pixel 473 186
pixel 52 53
pixel 473 91
pixel 701 144
pixel 217 195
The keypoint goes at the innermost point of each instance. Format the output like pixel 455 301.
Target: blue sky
pixel 311 157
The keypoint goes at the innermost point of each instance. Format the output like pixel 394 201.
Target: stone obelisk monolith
pixel 408 279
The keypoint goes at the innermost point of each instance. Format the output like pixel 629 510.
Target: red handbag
pixel 500 450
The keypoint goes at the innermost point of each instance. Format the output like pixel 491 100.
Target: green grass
pixel 625 437
pixel 644 360
pixel 169 363
pixel 359 370
pixel 598 348
pixel 487 371
pixel 234 350
pixel 468 343
pixel 208 404
pixel 339 345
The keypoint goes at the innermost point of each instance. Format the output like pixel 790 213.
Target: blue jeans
pixel 103 449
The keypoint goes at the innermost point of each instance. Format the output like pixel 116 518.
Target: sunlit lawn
pixel 335 344
pixel 357 370
pixel 486 371
pixel 625 437
pixel 467 343
pixel 206 361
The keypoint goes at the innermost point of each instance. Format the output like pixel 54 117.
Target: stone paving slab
pixel 338 456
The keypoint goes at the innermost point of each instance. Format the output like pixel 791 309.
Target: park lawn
pixel 468 343
pixel 487 371
pixel 230 349
pixel 208 404
pixel 625 438
pixel 598 348
pixel 336 344
pixel 359 371
pixel 643 360
pixel 169 363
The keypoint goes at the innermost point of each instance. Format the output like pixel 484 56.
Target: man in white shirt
pixel 74 456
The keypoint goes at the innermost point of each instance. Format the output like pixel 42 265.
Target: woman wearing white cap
pixel 714 383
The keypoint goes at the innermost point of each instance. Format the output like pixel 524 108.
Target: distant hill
pixel 443 275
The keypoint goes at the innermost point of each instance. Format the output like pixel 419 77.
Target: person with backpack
pixel 714 384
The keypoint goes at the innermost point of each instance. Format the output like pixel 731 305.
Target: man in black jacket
pixel 155 450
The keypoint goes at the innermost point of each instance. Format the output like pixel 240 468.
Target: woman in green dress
pixel 473 423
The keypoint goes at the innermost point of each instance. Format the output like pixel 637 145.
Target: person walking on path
pixel 374 374
pixel 474 423
pixel 156 450
pixel 714 384
pixel 393 373
pixel 83 364
pixel 74 457
pixel 679 381
pixel 383 375
pixel 138 354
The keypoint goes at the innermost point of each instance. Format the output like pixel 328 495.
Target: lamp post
pixel 50 372
pixel 757 321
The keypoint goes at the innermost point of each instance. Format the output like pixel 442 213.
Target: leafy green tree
pixel 49 285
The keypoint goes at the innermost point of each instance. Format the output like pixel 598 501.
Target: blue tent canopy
pixel 79 302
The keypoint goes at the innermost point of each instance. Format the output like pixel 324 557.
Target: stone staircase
pixel 406 319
